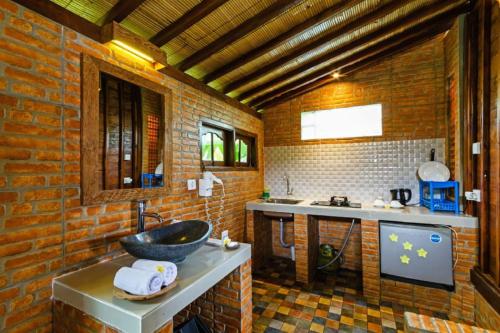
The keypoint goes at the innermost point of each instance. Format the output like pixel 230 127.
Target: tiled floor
pixel 334 303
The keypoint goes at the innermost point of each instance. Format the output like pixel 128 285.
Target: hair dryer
pixel 207 184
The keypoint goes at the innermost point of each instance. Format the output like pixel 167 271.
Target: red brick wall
pixel 331 231
pixel 410 86
pixel 44 228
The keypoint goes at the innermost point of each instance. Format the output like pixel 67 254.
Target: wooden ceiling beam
pixel 120 11
pixel 281 39
pixel 66 18
pixel 377 34
pixel 389 46
pixel 375 59
pixel 243 29
pixel 349 28
pixel 63 16
pixel 326 38
pixel 192 16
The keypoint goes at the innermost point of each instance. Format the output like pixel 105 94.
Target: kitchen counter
pixel 409 214
pixel 91 289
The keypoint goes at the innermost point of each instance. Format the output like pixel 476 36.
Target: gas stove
pixel 337 201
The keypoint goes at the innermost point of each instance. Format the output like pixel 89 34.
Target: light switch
pixel 127 157
pixel 127 180
pixel 191 184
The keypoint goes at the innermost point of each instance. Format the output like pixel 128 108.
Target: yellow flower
pixel 422 253
pixel 393 237
pixel 160 268
pixel 407 245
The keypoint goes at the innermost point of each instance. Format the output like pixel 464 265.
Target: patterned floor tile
pixel 334 303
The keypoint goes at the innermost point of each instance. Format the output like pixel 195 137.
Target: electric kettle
pixel 403 195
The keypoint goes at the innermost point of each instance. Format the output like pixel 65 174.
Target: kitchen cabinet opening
pixel 342 123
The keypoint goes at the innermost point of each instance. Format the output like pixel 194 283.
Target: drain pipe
pixel 282 240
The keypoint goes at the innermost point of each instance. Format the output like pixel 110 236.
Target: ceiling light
pixel 116 35
pixel 132 50
pixel 336 75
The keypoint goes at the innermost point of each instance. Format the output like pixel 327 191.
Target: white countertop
pixel 408 214
pixel 91 289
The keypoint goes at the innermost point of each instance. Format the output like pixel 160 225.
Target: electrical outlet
pixel 476 148
pixel 475 195
pixel 191 184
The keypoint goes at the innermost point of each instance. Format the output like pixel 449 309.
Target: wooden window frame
pixel 251 140
pixel 90 169
pixel 230 134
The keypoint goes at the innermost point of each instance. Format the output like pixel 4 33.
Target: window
pixel 352 122
pixel 213 142
pixel 244 151
pixel 223 146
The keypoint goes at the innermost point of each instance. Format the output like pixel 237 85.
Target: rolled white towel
pixel 137 281
pixel 166 268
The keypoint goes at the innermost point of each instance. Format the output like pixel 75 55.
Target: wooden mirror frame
pixel 89 139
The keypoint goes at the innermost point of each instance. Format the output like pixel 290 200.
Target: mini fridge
pixel 420 253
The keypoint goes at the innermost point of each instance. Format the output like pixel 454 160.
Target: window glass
pixel 358 121
pixel 243 152
pixel 237 150
pixel 206 146
pixel 218 148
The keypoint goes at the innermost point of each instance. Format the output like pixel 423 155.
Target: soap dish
pixel 232 246
pixel 122 294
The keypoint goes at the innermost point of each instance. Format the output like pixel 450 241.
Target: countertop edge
pixel 408 215
pixel 181 301
pixel 157 317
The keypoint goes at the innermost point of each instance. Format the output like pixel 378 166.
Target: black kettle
pixel 403 195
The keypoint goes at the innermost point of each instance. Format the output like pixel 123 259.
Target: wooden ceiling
pixel 263 52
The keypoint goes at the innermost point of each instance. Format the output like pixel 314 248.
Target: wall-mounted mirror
pixel 126 134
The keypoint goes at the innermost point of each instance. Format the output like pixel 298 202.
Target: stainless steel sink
pixel 282 201
pixel 173 242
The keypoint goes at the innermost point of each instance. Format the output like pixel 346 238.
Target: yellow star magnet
pixel 393 237
pixel 422 253
pixel 405 259
pixel 407 245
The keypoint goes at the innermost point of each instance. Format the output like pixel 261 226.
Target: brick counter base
pixel 415 323
pixel 226 307
pixel 458 304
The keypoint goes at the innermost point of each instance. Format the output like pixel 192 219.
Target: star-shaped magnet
pixel 422 253
pixel 393 237
pixel 405 259
pixel 407 245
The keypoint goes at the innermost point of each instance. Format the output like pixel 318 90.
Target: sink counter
pixel 90 290
pixel 408 214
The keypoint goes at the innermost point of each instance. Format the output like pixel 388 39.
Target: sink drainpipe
pixel 282 240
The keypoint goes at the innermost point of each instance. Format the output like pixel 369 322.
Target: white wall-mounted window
pixel 352 122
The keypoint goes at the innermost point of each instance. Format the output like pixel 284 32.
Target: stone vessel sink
pixel 172 243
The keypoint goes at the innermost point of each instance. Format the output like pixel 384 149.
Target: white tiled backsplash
pixel 362 171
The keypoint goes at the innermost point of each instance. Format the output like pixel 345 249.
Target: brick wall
pixel 44 228
pixel 331 231
pixel 410 86
pixel 458 304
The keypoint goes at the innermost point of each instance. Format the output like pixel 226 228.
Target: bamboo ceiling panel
pixel 152 16
pixel 292 65
pixel 91 10
pixel 326 48
pixel 301 39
